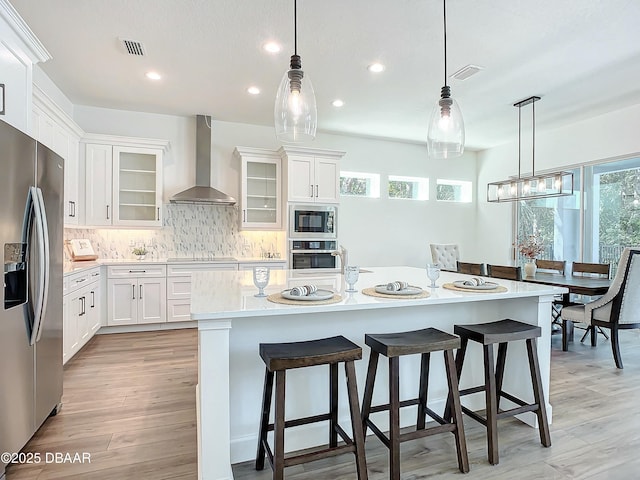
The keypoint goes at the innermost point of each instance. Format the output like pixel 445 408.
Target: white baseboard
pixel 146 328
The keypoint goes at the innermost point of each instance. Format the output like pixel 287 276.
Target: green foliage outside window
pixel 445 192
pixel 353 186
pixel 401 189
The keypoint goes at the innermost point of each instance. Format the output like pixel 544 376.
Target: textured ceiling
pixel 581 56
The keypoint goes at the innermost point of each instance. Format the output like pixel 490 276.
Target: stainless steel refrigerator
pixel 31 236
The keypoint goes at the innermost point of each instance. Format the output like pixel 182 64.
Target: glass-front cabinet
pixel 261 200
pixel 137 186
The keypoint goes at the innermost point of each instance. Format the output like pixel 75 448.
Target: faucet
pixel 343 254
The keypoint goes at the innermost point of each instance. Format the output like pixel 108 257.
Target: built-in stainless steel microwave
pixel 310 222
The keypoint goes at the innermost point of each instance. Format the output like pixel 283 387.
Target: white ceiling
pixel 581 56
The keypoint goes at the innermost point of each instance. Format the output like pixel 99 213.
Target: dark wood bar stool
pixel 280 357
pixel 501 332
pixel 393 346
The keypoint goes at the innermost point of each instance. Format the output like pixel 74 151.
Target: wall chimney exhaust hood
pixel 203 193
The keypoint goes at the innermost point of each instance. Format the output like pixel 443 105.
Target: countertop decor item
pixel 140 252
pixel 554 184
pixel 295 113
pixel 445 137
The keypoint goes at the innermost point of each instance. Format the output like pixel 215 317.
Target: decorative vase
pixel 141 257
pixel 530 267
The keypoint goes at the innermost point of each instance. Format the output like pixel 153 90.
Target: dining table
pixel 575 284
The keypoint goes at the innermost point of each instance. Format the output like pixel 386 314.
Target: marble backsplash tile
pixel 187 231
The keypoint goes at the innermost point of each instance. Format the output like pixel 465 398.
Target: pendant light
pixel 445 137
pixel 295 113
pixel 554 184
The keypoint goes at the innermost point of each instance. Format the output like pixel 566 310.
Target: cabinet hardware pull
pixel 81 300
pixel 158 213
pixel 93 299
pixel 74 208
pixel 80 306
pixel 107 212
pixel 95 274
pixel 137 271
pixel 244 215
pixel 316 190
pixel 140 297
pixel 311 191
pixel 133 287
pixel 81 280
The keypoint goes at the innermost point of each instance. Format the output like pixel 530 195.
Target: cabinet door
pixel 152 300
pixel 83 318
pixel 137 186
pixel 70 309
pixel 300 181
pixel 99 166
pixel 261 202
pixel 93 309
pixel 122 296
pixel 327 180
pixel 72 204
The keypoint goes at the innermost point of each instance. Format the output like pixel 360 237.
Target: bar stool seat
pixel 501 332
pixel 280 357
pixel 393 346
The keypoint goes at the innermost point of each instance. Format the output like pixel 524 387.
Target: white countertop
pixel 224 295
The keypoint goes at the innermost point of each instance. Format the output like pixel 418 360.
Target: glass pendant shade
pixel 445 137
pixel 295 113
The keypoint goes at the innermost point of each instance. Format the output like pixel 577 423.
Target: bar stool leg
pixel 278 444
pixel 502 357
pixel 534 367
pixel 422 392
pixel 264 421
pixel 394 418
pixel 461 442
pixel 459 361
pixel 357 430
pixel 333 404
pixel 368 389
pixel 492 413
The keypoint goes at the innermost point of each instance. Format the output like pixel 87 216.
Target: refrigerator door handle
pixel 42 236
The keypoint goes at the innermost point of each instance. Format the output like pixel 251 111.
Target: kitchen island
pixel 232 322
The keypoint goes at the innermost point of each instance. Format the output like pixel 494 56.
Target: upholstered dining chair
pixel 582 269
pixel 446 254
pixel 617 309
pixel 471 268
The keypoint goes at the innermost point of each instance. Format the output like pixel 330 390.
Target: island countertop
pixel 228 295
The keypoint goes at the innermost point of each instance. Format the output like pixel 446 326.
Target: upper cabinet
pixel 260 189
pixel 312 175
pixel 123 181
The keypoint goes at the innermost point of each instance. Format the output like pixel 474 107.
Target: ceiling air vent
pixel 466 72
pixel 133 47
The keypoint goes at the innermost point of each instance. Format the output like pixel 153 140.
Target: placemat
pixel 451 286
pixel 371 291
pixel 278 298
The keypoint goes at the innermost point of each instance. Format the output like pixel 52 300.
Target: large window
pixel 595 230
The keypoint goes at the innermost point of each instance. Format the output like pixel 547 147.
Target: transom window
pixel 414 188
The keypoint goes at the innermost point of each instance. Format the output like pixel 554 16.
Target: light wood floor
pixel 129 400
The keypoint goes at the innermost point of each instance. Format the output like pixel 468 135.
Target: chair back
pixel 626 304
pixel 552 266
pixel 471 268
pixel 505 272
pixel 591 269
pixel 446 254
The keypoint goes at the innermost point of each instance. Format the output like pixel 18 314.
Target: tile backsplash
pixel 187 231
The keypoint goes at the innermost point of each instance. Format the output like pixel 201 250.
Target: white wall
pixel 609 136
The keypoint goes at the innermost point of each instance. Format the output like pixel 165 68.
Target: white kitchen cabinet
pixel 273 265
pixel 124 181
pixel 260 189
pixel 136 294
pixel 81 311
pixel 312 175
pixel 179 287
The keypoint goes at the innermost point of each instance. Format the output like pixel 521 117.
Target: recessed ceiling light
pixel 253 90
pixel 376 67
pixel 153 75
pixel 337 103
pixel 272 47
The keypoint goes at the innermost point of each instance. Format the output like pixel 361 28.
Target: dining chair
pixel 505 272
pixel 558 267
pixel 617 309
pixel 446 254
pixel 471 268
pixel 582 269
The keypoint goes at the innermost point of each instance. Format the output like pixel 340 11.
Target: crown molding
pixel 42 101
pixel 100 138
pixel 36 50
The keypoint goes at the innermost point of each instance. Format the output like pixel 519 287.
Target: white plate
pixel 410 290
pixel 486 286
pixel 319 294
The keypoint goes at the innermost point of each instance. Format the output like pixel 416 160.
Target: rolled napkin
pixel 303 290
pixel 474 282
pixel 398 285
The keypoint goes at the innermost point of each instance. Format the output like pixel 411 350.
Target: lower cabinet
pixel 81 307
pixel 136 294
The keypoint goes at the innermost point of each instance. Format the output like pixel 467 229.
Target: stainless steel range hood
pixel 203 192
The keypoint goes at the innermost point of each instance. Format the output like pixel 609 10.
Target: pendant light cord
pixel 295 27
pixel 519 138
pixel 533 139
pixel 444 10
